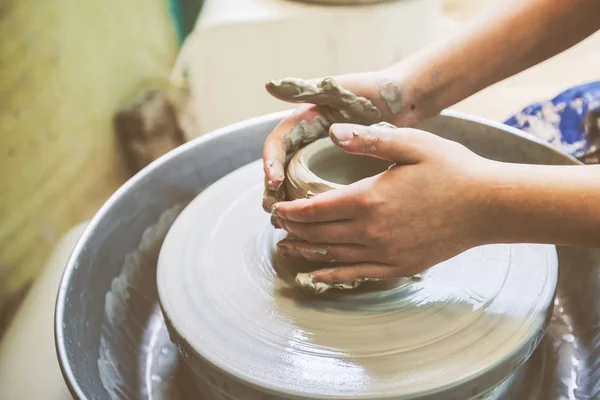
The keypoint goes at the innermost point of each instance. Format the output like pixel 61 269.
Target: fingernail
pixel 343 133
pixel 274 209
pixel 274 174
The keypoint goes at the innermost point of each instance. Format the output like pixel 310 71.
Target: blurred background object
pixel 147 129
pixel 65 68
pixel 27 349
pixel 570 121
pixel 237 45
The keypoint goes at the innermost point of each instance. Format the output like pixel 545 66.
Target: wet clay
pixel 336 105
pixel 342 105
pixel 319 167
pixel 307 280
pixel 232 305
pixel 391 95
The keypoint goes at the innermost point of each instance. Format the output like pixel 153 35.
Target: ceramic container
pixel 322 166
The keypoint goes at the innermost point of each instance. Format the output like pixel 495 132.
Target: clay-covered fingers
pixel 272 195
pixel 343 104
pixel 292 90
pixel 402 145
pixel 328 100
pixel 334 205
pixel 304 125
pixel 350 273
pixel 345 253
pixel 328 232
pixel 346 277
pixel 276 145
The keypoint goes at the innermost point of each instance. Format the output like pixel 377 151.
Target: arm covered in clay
pixel 498 44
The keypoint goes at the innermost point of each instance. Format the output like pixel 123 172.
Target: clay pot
pixel 322 166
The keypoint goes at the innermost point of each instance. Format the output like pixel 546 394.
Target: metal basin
pixel 110 335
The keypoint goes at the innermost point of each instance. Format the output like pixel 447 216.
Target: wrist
pixel 475 201
pixel 424 89
pixel 406 101
pixel 489 184
pixel 520 203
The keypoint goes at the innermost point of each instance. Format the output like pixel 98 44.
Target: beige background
pixel 65 67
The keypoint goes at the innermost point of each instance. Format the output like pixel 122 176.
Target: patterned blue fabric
pixel 570 121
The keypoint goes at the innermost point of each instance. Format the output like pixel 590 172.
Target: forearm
pixel 496 45
pixel 539 204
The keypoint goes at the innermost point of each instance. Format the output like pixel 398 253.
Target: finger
pixel 328 92
pixel 402 145
pixel 304 125
pixel 291 89
pixel 334 205
pixel 328 232
pixel 272 196
pixel 346 253
pixel 310 122
pixel 346 277
pixel 304 90
pixel 275 223
pixel 364 271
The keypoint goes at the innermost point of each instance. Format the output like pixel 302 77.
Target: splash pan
pixel 111 335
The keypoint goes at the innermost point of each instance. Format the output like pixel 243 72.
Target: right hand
pixel 291 134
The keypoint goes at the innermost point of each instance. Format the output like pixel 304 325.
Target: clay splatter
pixel 391 95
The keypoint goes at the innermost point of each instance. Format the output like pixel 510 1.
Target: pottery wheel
pixel 248 332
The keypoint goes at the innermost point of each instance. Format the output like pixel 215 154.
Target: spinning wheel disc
pixel 245 328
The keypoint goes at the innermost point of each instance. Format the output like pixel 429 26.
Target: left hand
pixel 411 217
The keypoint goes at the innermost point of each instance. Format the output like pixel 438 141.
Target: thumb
pixel 401 145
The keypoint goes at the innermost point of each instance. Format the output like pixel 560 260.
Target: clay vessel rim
pixel 305 158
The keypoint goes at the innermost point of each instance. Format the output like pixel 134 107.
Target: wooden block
pixel 147 129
